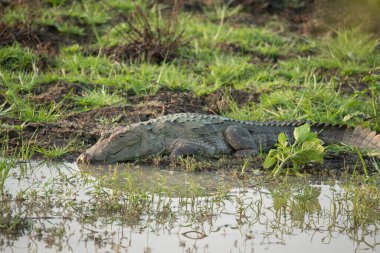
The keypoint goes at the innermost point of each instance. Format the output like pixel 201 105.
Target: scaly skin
pixel 209 135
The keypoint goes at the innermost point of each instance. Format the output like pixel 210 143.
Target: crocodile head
pixel 123 144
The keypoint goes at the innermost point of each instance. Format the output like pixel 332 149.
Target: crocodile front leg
pixel 240 139
pixel 182 147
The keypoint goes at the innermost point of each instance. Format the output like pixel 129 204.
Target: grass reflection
pixel 99 201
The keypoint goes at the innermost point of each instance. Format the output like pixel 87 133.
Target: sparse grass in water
pixel 5 166
pixel 363 195
pixel 6 163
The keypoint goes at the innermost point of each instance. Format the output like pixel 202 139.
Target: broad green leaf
pixel 312 151
pixel 269 161
pixel 282 139
pixel 301 133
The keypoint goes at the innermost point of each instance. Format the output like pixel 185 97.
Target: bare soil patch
pixel 220 100
pixel 55 92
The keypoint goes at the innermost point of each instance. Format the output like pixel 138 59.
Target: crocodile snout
pixel 84 158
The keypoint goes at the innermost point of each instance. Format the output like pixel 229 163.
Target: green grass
pixel 353 46
pixel 99 98
pixel 5 166
pixel 18 14
pixel 316 101
pixel 332 78
pixel 73 62
pixel 6 163
pixel 53 152
pixel 26 111
pixel 17 58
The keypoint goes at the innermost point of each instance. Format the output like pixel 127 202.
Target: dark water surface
pixel 128 209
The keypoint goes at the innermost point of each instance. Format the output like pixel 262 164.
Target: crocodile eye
pixel 132 142
pixel 124 139
pixel 116 136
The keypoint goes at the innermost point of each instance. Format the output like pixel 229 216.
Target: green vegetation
pixel 306 147
pixel 54 152
pixel 66 58
pixel 15 58
pixel 98 98
pixel 72 69
pixel 5 166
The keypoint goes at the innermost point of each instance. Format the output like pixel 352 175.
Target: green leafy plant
pixel 306 147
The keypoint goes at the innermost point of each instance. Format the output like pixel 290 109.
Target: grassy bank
pixel 69 70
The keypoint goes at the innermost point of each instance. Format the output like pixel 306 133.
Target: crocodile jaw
pixel 122 145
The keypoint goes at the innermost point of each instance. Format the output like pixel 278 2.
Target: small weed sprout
pixel 306 147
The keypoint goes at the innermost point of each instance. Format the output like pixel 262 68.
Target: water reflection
pixel 57 207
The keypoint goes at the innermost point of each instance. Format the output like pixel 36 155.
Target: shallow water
pixel 141 209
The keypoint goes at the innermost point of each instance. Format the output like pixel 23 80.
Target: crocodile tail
pixel 362 138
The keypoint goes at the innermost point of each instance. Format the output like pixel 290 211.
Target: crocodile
pixel 210 135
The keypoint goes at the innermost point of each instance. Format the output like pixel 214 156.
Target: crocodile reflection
pixel 168 182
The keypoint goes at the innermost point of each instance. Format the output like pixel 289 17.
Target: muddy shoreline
pixel 85 127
